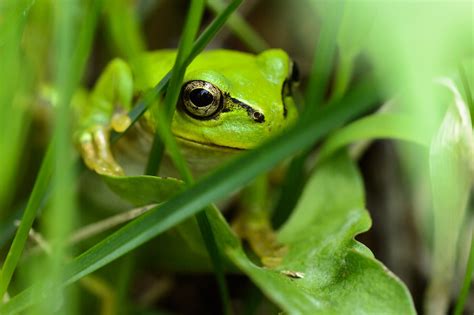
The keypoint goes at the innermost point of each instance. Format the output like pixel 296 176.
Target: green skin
pixel 256 104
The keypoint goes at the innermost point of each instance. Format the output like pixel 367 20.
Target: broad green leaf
pixel 144 190
pixel 341 276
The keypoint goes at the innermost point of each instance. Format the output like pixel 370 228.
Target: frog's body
pixel 230 101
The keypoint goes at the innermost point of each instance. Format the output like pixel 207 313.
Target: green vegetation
pixel 401 72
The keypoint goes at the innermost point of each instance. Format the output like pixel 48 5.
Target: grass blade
pixel 211 31
pixel 204 39
pixel 84 42
pixel 7 226
pixel 164 112
pixel 241 28
pixel 324 55
pixel 322 63
pixel 216 258
pixel 125 29
pixel 34 202
pixel 42 182
pixel 467 90
pixel 467 281
pixel 57 219
pixel 290 190
pixel 14 118
pixel 164 137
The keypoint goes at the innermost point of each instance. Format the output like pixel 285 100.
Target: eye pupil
pixel 201 97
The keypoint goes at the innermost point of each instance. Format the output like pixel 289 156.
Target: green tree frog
pixel 230 101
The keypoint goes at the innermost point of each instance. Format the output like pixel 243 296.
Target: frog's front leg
pixel 104 110
pixel 253 224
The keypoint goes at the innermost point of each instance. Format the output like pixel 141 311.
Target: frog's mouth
pixel 208 146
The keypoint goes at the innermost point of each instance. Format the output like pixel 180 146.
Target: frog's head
pixel 236 100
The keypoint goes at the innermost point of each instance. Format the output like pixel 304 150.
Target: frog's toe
pixel 107 168
pixel 108 164
pixel 262 240
pixel 95 151
pixel 120 122
pixel 112 168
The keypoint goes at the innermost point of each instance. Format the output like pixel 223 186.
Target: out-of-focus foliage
pixel 16 84
pixel 452 174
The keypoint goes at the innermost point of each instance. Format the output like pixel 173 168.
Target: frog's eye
pixel 201 99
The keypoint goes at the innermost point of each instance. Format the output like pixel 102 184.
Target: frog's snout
pixel 258 117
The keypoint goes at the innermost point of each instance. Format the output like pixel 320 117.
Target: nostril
pixel 258 117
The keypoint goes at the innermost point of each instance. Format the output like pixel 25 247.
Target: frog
pixel 230 101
